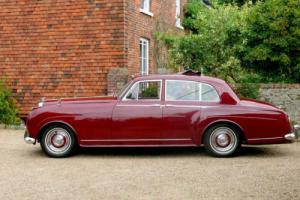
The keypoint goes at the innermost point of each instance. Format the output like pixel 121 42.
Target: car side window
pixel 182 90
pixel 179 90
pixel 145 90
pixel 208 93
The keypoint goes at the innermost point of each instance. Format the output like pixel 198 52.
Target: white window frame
pixel 177 14
pixel 138 82
pixel 144 69
pixel 145 7
pixel 200 91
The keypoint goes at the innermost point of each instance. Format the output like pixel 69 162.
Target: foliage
pixel 247 90
pixel 213 42
pixel 8 109
pixel 250 43
pixel 237 2
pixel 150 92
pixel 273 40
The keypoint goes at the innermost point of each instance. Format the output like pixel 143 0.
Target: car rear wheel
pixel 58 141
pixel 222 140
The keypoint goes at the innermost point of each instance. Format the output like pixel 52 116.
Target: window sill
pixel 179 26
pixel 146 12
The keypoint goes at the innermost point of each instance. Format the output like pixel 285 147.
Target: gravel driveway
pixel 261 172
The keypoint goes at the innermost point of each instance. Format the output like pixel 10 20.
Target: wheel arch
pixel 228 122
pixel 52 123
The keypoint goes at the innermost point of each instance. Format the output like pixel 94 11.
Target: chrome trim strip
pixel 188 106
pixel 254 118
pixel 198 82
pixel 143 145
pixel 272 138
pixel 162 105
pixel 135 140
pixel 140 105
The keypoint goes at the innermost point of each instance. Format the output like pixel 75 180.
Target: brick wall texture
pixel 57 49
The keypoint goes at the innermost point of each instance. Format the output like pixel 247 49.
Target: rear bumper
pixel 28 139
pixel 294 135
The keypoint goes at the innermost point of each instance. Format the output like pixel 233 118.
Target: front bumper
pixel 294 135
pixel 29 140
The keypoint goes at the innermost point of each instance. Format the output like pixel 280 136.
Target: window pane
pixel 149 90
pixel 144 69
pixel 144 56
pixel 145 5
pixel 141 49
pixel 182 90
pixel 177 8
pixel 133 94
pixel 209 93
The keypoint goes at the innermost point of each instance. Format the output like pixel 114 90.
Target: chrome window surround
pixel 200 91
pixel 138 82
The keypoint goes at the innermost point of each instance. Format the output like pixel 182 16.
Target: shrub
pixel 213 41
pixel 247 90
pixel 273 40
pixel 8 109
pixel 240 37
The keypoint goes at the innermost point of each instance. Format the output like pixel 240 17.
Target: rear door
pixel 182 111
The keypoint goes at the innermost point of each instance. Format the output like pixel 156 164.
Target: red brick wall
pixel 56 49
pixel 141 25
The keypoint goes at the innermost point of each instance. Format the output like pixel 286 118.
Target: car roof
pixel 181 77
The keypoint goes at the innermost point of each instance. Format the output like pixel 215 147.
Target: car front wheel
pixel 222 140
pixel 58 141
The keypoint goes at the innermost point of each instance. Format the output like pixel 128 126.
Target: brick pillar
pixel 116 79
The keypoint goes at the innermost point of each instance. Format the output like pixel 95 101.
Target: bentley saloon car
pixel 159 111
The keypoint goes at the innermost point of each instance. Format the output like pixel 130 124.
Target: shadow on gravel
pixel 144 151
pixel 261 151
pixel 245 151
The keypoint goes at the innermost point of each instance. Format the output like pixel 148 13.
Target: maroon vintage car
pixel 156 111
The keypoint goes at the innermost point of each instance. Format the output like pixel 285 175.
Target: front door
pixel 137 117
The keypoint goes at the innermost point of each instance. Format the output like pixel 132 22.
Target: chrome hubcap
pixel 223 140
pixel 58 140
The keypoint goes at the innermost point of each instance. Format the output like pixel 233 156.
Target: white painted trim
pixel 147 42
pixel 146 12
pixel 178 23
pixel 177 14
pixel 179 26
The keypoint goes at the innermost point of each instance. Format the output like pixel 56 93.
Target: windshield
pixel 121 92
